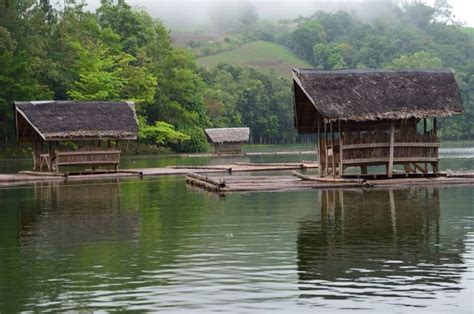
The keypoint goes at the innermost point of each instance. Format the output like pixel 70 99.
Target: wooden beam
pixel 419 168
pixel 378 145
pixel 341 149
pixel 385 160
pixel 390 156
pixel 319 147
pixel 16 126
pixel 326 149
pixel 333 151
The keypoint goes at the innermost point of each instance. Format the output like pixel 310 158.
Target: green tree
pixel 100 74
pixel 160 133
pixel 418 60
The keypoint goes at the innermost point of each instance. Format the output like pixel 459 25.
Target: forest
pixel 119 52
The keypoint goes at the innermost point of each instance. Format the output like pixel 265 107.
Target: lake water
pixel 157 244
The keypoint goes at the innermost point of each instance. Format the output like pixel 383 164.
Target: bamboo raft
pixel 25 177
pixel 298 181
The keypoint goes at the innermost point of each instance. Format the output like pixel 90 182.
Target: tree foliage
pixel 122 53
pixel 160 133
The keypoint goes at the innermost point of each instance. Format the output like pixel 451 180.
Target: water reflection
pixel 377 244
pixel 76 213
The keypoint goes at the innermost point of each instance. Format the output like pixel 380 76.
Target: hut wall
pixel 235 148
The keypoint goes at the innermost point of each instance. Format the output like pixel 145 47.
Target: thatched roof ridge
pixel 68 120
pixel 365 95
pixel 228 135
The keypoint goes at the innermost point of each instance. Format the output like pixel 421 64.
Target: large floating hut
pixel 73 133
pixel 228 140
pixel 374 117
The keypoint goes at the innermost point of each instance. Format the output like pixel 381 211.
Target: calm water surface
pixel 156 244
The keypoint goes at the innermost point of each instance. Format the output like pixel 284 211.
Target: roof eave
pixel 398 115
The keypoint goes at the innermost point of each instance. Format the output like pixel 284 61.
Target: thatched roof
pixel 68 120
pixel 228 135
pixel 364 95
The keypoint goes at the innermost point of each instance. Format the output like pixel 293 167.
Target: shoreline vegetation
pixel 119 52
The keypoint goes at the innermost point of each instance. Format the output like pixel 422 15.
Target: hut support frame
pixel 385 143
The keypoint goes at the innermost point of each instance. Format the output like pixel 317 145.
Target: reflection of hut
pixel 228 140
pixel 373 117
pixel 77 213
pixel 385 238
pixel 84 125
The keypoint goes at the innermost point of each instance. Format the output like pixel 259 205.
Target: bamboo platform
pixel 25 177
pixel 231 184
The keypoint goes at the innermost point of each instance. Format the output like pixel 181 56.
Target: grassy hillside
pixel 258 54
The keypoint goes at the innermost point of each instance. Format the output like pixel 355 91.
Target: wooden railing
pixel 379 153
pixel 85 158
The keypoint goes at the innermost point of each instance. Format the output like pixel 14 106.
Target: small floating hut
pixel 74 133
pixel 228 140
pixel 368 118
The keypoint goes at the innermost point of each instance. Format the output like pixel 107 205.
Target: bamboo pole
pixel 392 142
pixel 435 139
pixel 319 147
pixel 333 151
pixel 326 169
pixel 335 180
pixel 220 183
pixel 341 148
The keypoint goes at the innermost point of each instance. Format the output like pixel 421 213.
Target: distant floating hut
pixel 228 140
pixel 56 127
pixel 374 117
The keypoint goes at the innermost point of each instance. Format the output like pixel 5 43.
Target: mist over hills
pixel 194 15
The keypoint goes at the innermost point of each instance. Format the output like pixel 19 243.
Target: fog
pixel 187 15
pixel 182 15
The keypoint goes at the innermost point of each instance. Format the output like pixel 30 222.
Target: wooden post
pixel 319 148
pixel 390 157
pixel 341 148
pixel 333 151
pixel 424 126
pixel 435 139
pixel 326 169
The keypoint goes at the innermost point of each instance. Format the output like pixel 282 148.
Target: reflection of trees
pixel 386 241
pixel 70 240
pixel 63 231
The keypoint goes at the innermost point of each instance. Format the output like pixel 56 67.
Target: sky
pixel 196 11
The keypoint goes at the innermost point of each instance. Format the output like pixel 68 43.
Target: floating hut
pixel 374 117
pixel 228 140
pixel 72 133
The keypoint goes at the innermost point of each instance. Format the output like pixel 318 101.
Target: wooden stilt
pixel 390 158
pixel 326 168
pixel 320 171
pixel 333 151
pixel 341 148
pixel 435 139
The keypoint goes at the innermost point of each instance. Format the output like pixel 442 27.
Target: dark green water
pixel 156 244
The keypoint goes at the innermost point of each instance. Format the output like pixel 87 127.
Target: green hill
pixel 258 54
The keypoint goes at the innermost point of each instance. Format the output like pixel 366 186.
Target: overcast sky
pixel 171 11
